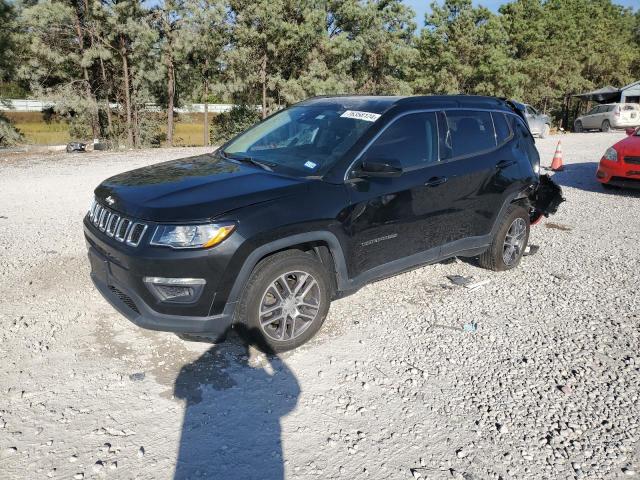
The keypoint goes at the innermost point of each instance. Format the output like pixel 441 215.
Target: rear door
pixel 595 120
pixel 590 118
pixel 481 169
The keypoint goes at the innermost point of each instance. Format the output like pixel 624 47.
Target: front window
pixel 412 140
pixel 305 140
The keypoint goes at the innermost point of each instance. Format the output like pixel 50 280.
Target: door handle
pixel 434 181
pixel 505 163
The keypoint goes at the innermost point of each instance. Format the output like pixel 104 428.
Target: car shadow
pixel 233 408
pixel 583 176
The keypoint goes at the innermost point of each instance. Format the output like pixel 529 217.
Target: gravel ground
pixel 393 387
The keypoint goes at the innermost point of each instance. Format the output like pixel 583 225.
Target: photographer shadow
pixel 231 428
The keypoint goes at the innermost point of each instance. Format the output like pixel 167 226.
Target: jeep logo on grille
pixel 110 200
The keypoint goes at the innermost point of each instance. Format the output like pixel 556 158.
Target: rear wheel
pixel 606 126
pixel 509 242
pixel 577 127
pixel 285 301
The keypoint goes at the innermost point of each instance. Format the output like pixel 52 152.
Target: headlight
pixel 191 236
pixel 611 154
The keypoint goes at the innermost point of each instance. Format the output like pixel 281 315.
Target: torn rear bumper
pixel 546 199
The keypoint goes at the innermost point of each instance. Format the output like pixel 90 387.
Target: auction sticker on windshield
pixel 367 116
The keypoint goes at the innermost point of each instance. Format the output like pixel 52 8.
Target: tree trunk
pixel 206 103
pixel 127 90
pixel 87 84
pixel 136 127
pixel 263 80
pixel 171 91
pixel 565 116
pixel 107 105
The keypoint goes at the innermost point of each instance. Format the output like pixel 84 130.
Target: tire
pixel 577 127
pixel 274 328
pixel 495 257
pixel 607 186
pixel 544 133
pixel 606 126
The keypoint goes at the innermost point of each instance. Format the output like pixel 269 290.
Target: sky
pixel 422 6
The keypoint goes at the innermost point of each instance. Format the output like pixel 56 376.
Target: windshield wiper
pixel 247 159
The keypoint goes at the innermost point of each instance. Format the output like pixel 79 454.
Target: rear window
pixel 503 131
pixel 471 132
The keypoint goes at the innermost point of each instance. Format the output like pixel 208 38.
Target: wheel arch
pixel 323 244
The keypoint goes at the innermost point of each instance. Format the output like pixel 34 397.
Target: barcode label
pixel 367 116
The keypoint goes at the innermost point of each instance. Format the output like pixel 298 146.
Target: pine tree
pixel 204 36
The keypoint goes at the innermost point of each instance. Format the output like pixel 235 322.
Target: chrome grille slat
pixel 136 233
pixel 122 229
pixel 112 225
pixel 104 220
pixel 96 217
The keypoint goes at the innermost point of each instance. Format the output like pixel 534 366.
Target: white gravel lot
pixel 391 388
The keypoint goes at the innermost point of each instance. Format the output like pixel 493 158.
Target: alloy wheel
pixel 514 241
pixel 289 305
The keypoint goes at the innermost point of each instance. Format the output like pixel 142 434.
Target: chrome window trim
pixel 350 168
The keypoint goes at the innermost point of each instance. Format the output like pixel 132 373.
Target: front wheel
pixel 285 301
pixel 509 242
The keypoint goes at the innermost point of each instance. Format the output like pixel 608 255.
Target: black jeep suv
pixel 310 205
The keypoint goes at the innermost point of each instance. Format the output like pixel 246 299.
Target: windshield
pixel 305 140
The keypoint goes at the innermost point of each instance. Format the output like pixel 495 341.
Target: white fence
pixel 24 105
pixel 20 105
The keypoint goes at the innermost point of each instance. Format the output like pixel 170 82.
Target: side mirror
pixel 630 131
pixel 379 168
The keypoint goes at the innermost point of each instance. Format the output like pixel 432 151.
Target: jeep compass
pixel 311 204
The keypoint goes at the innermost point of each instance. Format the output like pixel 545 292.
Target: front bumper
pixel 118 275
pixel 619 174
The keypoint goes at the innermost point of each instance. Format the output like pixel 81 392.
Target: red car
pixel 620 164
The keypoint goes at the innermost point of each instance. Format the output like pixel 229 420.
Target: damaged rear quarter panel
pixel 546 198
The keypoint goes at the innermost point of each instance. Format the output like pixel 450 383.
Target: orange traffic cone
pixel 556 164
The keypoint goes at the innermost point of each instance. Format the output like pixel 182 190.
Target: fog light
pixel 175 290
pixel 600 174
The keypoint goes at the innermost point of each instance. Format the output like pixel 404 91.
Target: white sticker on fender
pixel 367 116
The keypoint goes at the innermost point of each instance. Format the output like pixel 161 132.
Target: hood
pixel 192 189
pixel 628 146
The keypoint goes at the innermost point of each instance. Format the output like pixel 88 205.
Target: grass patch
pixel 37 130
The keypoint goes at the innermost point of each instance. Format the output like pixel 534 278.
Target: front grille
pixel 633 160
pixel 124 298
pixel 114 225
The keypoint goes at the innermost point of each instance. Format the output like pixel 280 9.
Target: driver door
pixel 385 217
